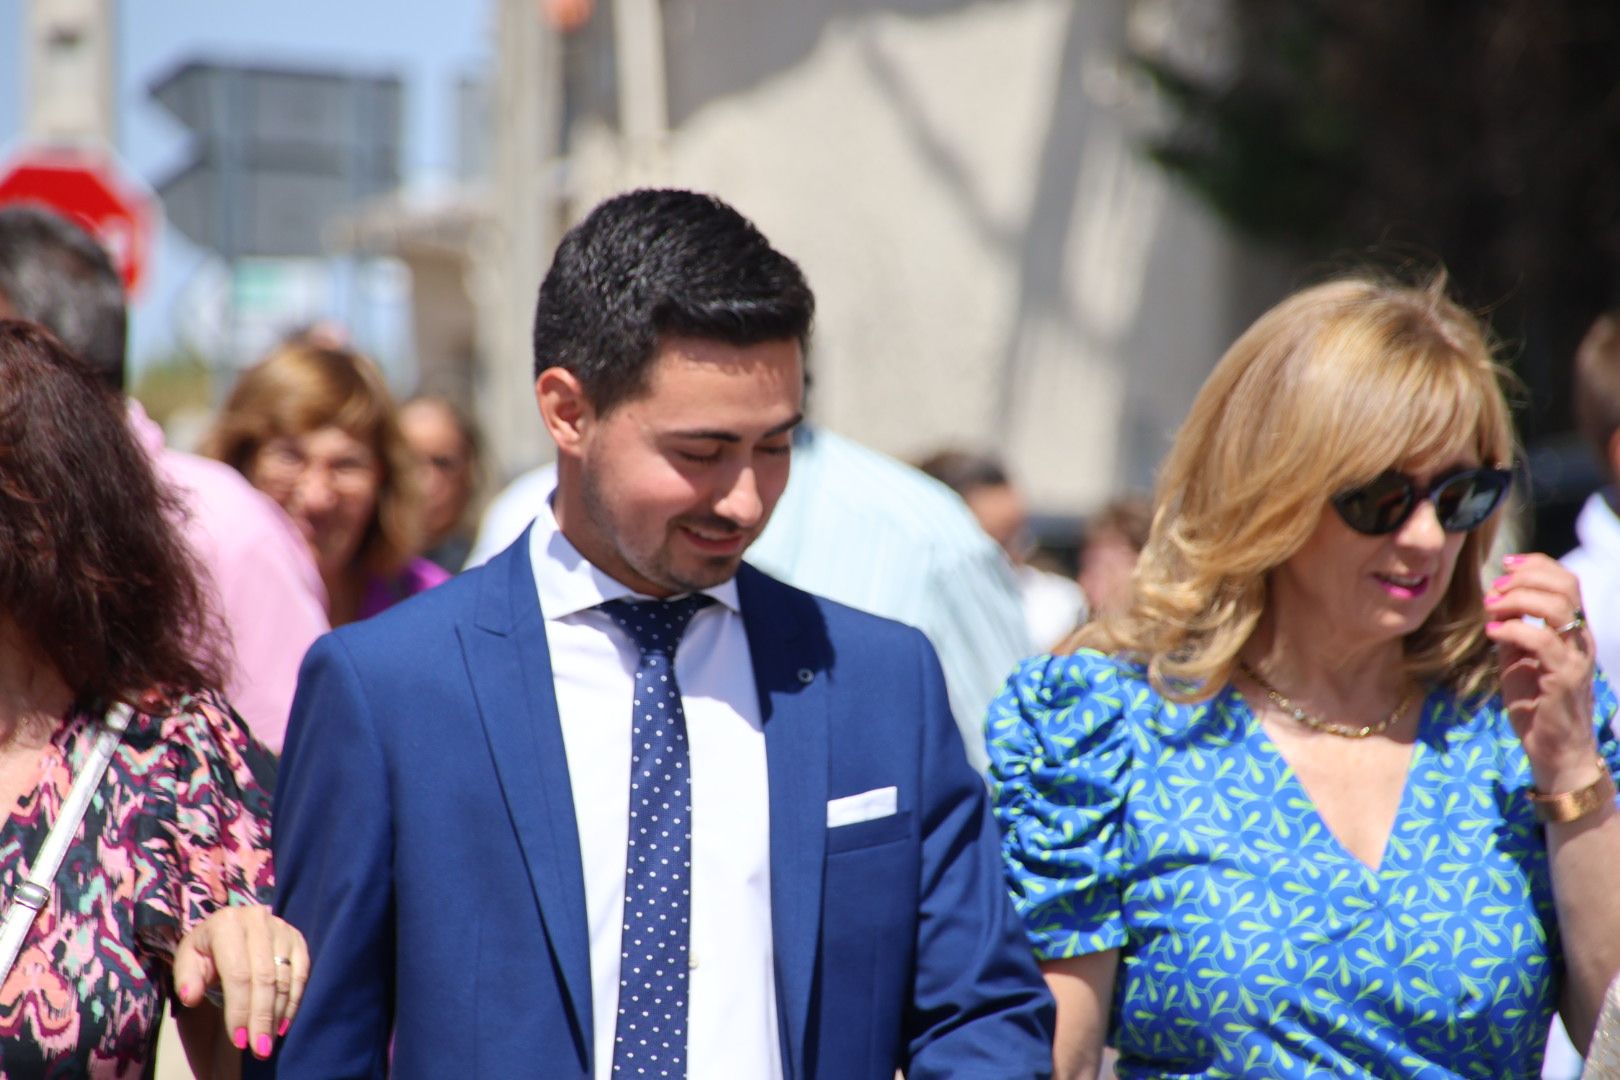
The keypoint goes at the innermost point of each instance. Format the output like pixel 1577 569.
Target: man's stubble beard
pixel 660 573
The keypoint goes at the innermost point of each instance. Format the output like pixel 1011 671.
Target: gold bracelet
pixel 1570 806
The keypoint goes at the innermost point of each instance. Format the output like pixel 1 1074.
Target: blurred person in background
pixel 1596 561
pixel 315 428
pixel 861 528
pixel 1110 544
pixel 1603 1061
pixel 253 563
pixel 1053 604
pixel 1320 800
pixel 162 888
pixel 447 445
pixel 1597 414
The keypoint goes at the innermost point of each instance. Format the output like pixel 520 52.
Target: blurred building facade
pixel 70 77
pixel 996 263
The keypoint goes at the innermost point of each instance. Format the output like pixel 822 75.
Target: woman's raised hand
pixel 1546 668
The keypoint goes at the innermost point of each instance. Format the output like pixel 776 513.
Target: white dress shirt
pixel 922 559
pixel 1596 563
pixel 731 1007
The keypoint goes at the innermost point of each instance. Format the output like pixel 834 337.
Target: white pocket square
pixel 877 803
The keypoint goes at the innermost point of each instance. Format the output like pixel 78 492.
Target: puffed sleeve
pixel 205 835
pixel 1060 761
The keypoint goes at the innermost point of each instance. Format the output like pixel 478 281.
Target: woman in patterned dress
pixel 1321 801
pixel 162 890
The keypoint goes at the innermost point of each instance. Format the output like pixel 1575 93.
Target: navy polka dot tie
pixel 650 1037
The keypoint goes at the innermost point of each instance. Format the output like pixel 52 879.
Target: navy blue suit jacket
pixel 425 843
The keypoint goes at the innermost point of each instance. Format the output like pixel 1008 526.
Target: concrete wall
pixel 996 263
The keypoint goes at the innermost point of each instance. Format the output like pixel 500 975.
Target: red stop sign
pixel 89 186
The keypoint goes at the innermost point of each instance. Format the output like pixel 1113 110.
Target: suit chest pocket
pixel 864 834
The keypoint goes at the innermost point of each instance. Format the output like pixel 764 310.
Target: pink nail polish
pixel 1512 560
pixel 261 1046
pixel 184 991
pixel 240 1038
pixel 282 1030
pixel 1493 626
pixel 1499 582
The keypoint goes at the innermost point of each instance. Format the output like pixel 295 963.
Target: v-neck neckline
pixel 1263 744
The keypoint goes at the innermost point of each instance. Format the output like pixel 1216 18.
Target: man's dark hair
pixel 1597 388
pixel 963 471
pixel 54 273
pixel 649 263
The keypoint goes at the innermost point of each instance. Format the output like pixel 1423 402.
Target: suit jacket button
pixel 806 675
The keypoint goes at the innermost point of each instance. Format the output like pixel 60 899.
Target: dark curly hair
pixel 90 563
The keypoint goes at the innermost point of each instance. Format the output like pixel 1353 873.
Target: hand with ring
pixel 260 962
pixel 1574 624
pixel 1547 669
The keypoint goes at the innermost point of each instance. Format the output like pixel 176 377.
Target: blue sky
pixel 428 43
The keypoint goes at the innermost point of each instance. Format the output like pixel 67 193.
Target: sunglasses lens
pixel 1464 501
pixel 1377 507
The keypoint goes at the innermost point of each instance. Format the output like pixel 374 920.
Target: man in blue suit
pixel 616 804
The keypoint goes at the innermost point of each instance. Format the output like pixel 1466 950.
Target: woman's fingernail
pixel 282 1030
pixel 184 991
pixel 1499 582
pixel 261 1046
pixel 1492 599
pixel 240 1038
pixel 1512 560
pixel 1493 626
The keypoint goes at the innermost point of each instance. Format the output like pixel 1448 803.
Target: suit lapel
pixel 791 659
pixel 510 666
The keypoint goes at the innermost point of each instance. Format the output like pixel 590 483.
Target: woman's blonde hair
pixel 301 387
pixel 1330 388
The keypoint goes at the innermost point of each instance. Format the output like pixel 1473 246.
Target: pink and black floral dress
pixel 179 827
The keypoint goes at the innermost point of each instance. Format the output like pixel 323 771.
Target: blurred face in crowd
pixel 1106 564
pixel 1000 511
pixel 446 473
pixel 327 481
pixel 666 490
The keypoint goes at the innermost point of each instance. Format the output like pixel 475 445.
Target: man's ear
pixel 565 408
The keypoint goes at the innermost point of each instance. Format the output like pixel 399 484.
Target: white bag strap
pixel 35 892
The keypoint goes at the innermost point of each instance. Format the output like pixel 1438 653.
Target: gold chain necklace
pixel 1317 723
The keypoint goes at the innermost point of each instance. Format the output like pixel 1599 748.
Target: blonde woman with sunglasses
pixel 1323 800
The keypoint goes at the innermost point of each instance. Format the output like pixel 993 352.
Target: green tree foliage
pixel 1482 133
pixel 174 384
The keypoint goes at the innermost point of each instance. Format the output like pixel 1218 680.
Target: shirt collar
pixel 147 432
pixel 569 583
pixel 1598 526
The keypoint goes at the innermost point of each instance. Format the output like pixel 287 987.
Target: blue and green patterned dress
pixel 1251 942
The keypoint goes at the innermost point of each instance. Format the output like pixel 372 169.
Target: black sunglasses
pixel 1462 500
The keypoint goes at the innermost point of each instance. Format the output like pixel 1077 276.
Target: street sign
pixel 90 186
pixel 277 153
